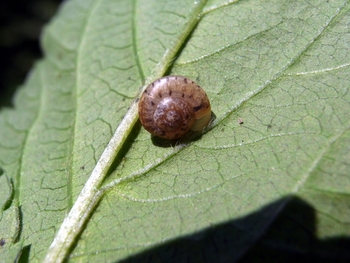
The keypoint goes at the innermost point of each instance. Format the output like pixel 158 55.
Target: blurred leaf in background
pixel 20 27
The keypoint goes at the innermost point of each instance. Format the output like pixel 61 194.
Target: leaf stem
pixel 90 195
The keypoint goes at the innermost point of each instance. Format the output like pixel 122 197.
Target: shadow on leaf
pixel 288 235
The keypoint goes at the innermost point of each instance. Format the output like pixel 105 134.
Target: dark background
pixel 21 23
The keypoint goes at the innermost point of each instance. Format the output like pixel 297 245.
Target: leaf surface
pixel 280 67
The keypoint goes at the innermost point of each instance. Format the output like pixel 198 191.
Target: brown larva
pixel 171 106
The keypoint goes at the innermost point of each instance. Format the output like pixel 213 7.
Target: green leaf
pixel 278 76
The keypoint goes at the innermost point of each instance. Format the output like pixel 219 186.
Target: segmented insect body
pixel 171 106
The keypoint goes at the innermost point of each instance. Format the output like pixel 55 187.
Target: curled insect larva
pixel 171 106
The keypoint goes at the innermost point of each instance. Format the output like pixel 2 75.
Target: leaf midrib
pixel 89 197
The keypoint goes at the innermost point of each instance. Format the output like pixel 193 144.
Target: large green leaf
pixel 281 67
